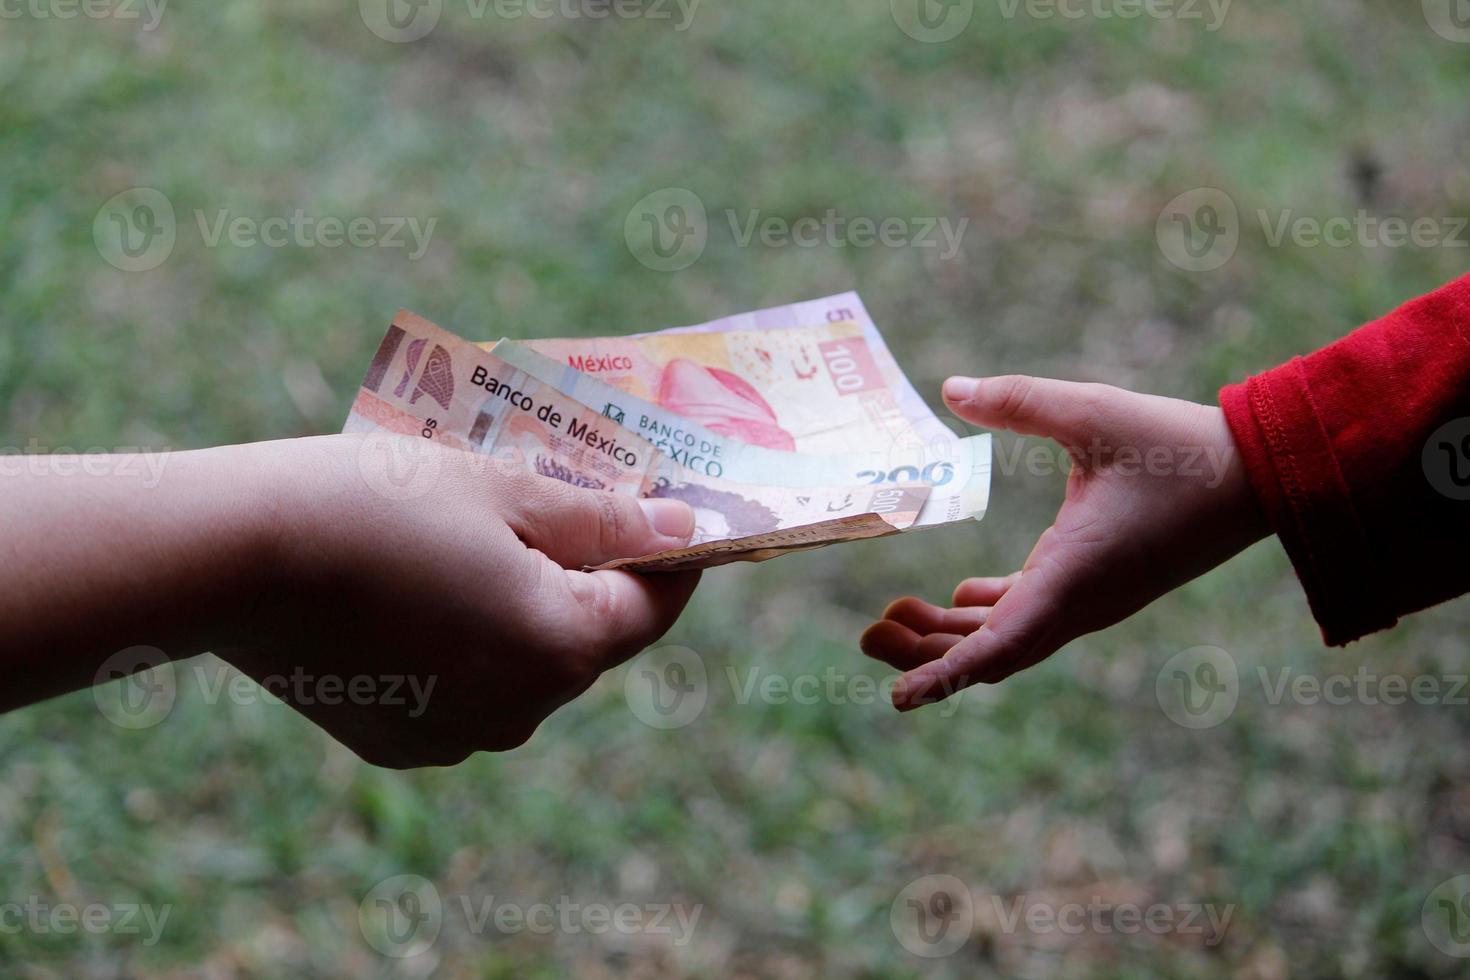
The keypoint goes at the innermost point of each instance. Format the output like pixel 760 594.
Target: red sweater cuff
pixel 1299 482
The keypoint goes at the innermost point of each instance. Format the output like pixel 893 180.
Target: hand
pixel 469 590
pixel 1157 496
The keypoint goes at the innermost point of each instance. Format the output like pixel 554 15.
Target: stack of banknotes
pixel 785 429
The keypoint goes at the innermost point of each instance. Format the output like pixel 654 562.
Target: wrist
pixel 1242 514
pixel 300 491
pixel 253 486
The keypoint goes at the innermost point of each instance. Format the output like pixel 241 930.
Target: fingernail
pixel 960 389
pixel 672 518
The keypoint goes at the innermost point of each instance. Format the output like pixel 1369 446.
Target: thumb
pixel 1068 411
pixel 615 613
pixel 576 527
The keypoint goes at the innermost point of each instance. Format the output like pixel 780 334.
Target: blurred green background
pixel 791 827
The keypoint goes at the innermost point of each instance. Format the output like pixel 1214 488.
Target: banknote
pixel 841 308
pixel 958 469
pixel 427 382
pixel 809 389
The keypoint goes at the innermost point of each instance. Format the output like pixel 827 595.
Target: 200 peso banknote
pixel 730 394
pixel 958 469
pixel 428 383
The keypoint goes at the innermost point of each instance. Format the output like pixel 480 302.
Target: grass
pixel 792 826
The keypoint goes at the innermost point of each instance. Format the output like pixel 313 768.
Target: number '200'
pixel 937 473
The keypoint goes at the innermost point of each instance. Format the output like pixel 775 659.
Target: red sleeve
pixel 1360 455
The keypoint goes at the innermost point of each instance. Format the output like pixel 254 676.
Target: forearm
pixel 102 554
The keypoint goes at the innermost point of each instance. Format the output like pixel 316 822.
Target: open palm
pixel 1156 497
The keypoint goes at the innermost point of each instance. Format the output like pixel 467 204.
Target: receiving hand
pixel 1156 497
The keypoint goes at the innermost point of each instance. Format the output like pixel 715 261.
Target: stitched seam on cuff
pixel 1264 407
pixel 1327 534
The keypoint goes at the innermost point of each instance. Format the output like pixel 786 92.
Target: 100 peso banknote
pixel 843 308
pixel 814 390
pixel 428 383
